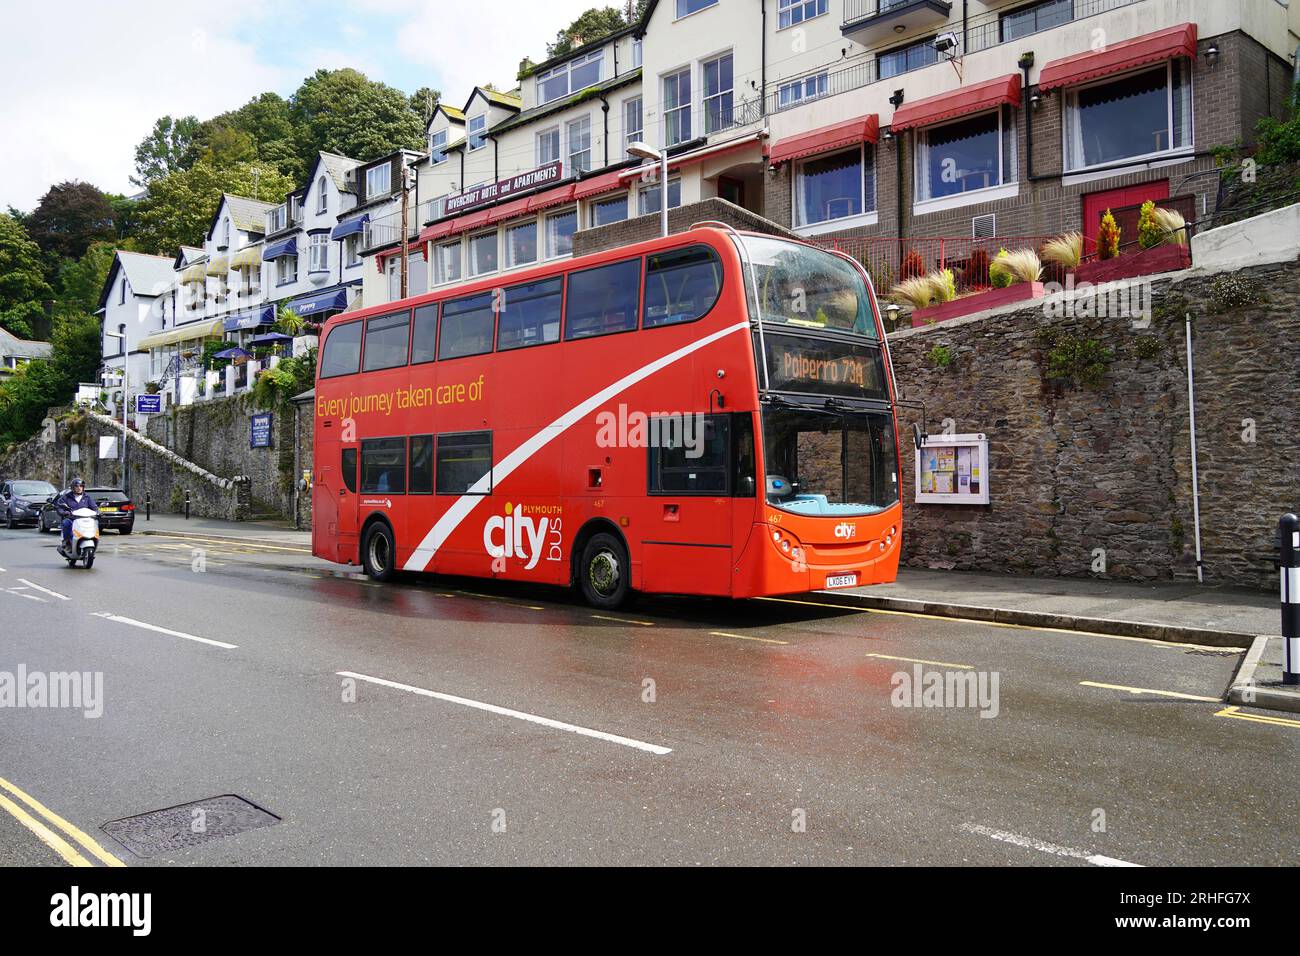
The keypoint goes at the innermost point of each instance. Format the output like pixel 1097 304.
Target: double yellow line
pixel 49 837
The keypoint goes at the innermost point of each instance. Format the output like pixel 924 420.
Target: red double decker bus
pixel 707 413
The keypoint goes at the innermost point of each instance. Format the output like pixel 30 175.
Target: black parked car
pixel 116 511
pixel 22 501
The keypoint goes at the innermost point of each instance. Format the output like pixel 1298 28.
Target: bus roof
pixel 717 236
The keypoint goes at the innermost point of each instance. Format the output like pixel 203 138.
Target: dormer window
pixel 569 77
pixel 322 196
pixel 437 147
pixel 477 130
pixel 379 180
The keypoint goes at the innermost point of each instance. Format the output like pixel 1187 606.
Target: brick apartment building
pixel 858 120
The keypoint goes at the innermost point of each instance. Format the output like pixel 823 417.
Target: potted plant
pixel 1162 247
pixel 1014 277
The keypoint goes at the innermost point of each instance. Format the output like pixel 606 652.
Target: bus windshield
pixel 823 462
pixel 808 288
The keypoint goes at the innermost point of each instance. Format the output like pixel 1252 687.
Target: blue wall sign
pixel 148 404
pixel 259 431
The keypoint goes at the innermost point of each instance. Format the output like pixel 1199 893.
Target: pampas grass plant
pixel 1172 226
pixel 1008 268
pixel 1064 250
pixel 917 292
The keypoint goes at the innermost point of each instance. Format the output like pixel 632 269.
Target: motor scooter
pixel 85 538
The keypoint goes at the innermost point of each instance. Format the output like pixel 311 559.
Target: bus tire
pixel 604 572
pixel 379 552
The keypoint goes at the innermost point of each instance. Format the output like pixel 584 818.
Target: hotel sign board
pixel 491 192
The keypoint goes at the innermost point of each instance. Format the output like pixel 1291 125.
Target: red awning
pixel 596 185
pixel 550 197
pixel 850 133
pixel 507 210
pixel 960 102
pixel 438 230
pixel 473 220
pixel 1117 57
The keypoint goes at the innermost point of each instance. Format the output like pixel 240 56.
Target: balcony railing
pixel 983 31
pixel 388 229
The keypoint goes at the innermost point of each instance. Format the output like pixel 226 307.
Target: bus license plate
pixel 841 580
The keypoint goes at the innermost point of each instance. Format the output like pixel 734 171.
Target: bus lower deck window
pixel 463 459
pixel 383 466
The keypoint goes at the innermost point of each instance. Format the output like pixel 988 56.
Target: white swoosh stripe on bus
pixel 466 503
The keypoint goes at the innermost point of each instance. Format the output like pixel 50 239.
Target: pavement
pixel 448 721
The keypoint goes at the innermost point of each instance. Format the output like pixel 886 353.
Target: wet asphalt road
pixel 547 746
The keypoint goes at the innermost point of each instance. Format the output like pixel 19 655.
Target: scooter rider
pixel 72 500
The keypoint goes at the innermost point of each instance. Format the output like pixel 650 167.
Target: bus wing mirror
pixel 918 438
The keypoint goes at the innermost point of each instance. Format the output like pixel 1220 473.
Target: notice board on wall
pixel 953 470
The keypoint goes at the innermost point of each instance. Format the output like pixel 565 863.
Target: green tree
pixel 82 280
pixel 69 217
pixel 27 395
pixel 341 111
pixel 23 289
pixel 179 207
pixel 592 25
pixel 423 102
pixel 167 149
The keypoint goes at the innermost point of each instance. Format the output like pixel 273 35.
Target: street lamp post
pixel 647 152
pixel 126 382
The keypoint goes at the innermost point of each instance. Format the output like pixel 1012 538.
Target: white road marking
pixel 1147 690
pixel 162 630
pixel 517 714
pixel 1096 859
pixel 56 594
pixel 18 592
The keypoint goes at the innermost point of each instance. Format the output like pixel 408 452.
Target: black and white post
pixel 1288 542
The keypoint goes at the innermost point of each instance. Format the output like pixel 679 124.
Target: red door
pixel 1096 204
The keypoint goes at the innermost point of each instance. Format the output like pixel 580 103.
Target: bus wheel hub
pixel 604 572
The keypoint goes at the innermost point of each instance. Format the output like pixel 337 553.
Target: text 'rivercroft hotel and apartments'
pixel 844 118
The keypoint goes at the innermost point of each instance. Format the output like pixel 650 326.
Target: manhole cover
pixel 189 824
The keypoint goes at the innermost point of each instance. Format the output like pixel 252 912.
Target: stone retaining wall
pixel 1075 469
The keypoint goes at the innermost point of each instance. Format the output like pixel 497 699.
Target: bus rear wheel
pixel 378 552
pixel 604 573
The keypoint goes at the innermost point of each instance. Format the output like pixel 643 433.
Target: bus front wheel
pixel 604 573
pixel 378 552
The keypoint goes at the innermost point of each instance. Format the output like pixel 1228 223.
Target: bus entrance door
pixel 334 500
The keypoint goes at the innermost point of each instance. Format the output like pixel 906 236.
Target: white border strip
pixel 517 714
pixel 462 506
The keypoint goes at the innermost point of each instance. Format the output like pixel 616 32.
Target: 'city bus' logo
pixel 525 536
pixel 846 530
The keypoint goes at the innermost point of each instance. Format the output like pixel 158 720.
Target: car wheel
pixel 604 573
pixel 9 518
pixel 127 530
pixel 379 552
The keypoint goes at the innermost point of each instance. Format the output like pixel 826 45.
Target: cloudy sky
pixel 84 80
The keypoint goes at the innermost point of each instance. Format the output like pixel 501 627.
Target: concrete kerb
pixel 1070 622
pixel 1246 692
pixel 218 536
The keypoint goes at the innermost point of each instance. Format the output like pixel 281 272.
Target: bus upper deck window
pixel 603 300
pixel 681 285
pixel 466 326
pixel 342 354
